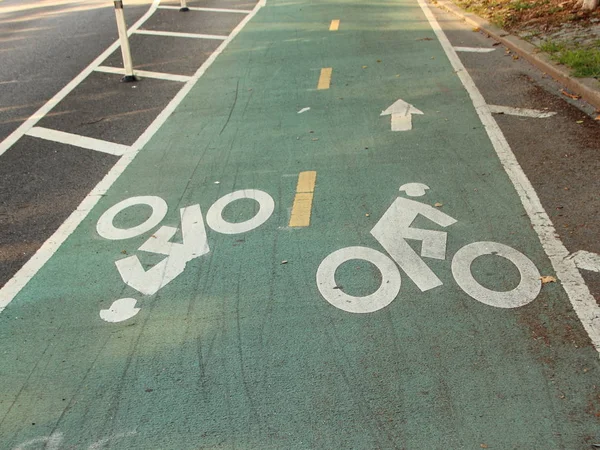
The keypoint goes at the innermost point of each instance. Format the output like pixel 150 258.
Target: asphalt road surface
pixel 308 225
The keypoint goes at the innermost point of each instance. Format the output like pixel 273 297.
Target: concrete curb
pixel 587 88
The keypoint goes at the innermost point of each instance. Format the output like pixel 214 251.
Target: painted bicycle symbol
pixel 392 231
pixel 177 255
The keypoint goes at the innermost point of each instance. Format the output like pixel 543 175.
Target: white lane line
pixel 521 112
pixel 145 74
pixel 474 49
pixel 234 11
pixel 78 141
pixel 583 302
pixel 53 243
pixel 40 113
pixel 181 35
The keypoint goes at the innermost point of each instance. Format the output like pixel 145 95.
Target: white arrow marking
pixel 521 112
pixel 120 310
pixel 401 115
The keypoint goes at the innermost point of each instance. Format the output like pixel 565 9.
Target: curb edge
pixel 587 88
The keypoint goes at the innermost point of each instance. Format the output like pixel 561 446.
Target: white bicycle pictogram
pixel 392 231
pixel 177 255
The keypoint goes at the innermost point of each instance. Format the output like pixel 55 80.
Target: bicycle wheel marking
pixel 528 289
pixel 387 292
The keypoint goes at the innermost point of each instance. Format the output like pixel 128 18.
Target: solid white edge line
pixel 521 112
pixel 180 35
pixel 51 245
pixel 474 49
pixel 40 113
pixel 581 299
pixel 234 11
pixel 145 74
pixel 78 141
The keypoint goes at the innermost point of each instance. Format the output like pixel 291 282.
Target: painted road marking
pixel 393 231
pixel 586 260
pixel 335 25
pixel 582 301
pixel 302 207
pixel 182 35
pixel 521 112
pixel 79 141
pixel 235 11
pixel 145 74
pixel 401 115
pixel 40 113
pixel 474 49
pixel 325 78
pixel 53 243
pixel 148 281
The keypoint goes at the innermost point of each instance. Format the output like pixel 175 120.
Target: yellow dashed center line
pixel 302 206
pixel 325 78
pixel 335 25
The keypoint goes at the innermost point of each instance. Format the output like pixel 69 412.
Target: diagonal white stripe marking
pixel 474 49
pixel 145 74
pixel 521 112
pixel 53 243
pixel 182 35
pixel 78 141
pixel 40 113
pixel 586 260
pixel 582 301
pixel 223 10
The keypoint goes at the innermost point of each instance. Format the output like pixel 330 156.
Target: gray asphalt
pixel 45 44
pixel 559 154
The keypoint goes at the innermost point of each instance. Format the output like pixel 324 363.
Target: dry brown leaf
pixel 438 204
pixel 548 279
pixel 597 117
pixel 476 30
pixel 568 94
pixel 364 67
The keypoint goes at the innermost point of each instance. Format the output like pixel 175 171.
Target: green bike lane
pixel 241 350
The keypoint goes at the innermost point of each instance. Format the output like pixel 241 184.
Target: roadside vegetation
pixel 563 29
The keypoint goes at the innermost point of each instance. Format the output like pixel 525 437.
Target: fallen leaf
pixel 367 215
pixel 315 139
pixel 438 204
pixel 378 60
pixel 124 252
pixel 425 39
pixel 284 262
pixel 597 117
pixel 548 279
pixel 483 446
pixel 568 94
pixel 579 121
pixel 476 30
pixel 364 67
pixel 515 57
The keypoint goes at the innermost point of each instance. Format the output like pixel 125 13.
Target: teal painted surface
pixel 241 351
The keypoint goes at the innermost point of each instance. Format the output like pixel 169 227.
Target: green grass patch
pixel 585 62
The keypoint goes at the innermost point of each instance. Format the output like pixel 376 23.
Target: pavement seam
pixel 587 88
